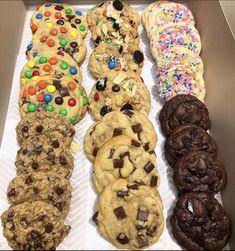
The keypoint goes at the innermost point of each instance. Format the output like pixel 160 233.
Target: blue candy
pixel 78 12
pixel 48 4
pixel 35 54
pixel 29 47
pixel 112 64
pixel 47 98
pixel 73 71
pixel 39 16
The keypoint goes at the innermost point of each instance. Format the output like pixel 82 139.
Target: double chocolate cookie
pixel 185 138
pixel 198 171
pixel 183 109
pixel 199 222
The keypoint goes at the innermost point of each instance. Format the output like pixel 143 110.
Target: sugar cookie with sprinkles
pixel 170 35
pixel 64 38
pixel 63 96
pixel 59 13
pixel 179 80
pixel 50 63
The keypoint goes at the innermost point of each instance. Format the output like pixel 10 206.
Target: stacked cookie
pixel 117 60
pixel 175 46
pixel 199 222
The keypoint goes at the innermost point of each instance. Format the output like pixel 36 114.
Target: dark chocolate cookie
pixel 183 109
pixel 198 171
pixel 199 222
pixel 185 138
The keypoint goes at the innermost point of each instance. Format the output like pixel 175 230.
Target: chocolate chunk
pixel 123 155
pixel 126 107
pixel 146 147
pixel 28 180
pixel 116 88
pixel 55 143
pixel 135 143
pixel 118 5
pixel 149 167
pixel 70 16
pixel 142 241
pixel 64 91
pixel 48 228
pixel 98 40
pixel 117 132
pixel 24 222
pixel 12 192
pixel 38 149
pixel 120 213
pixel 35 165
pixel 25 129
pixel 111 153
pixel 104 110
pixel 142 215
pixel 57 83
pixel 122 239
pixel 59 190
pixel 95 218
pixel 74 44
pixel 153 181
pixel 59 206
pixel 116 26
pixel 118 163
pixel 60 22
pixel 152 230
pixel 121 49
pixel 59 7
pixel 36 190
pixel 41 217
pixel 63 160
pixel 39 128
pixel 27 246
pixel 122 194
pixel 138 57
pixel 10 215
pixel 95 151
pixel 135 186
pixel 128 113
pixel 101 84
pixel 34 236
pixel 137 128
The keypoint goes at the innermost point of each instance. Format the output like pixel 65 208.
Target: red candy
pixel 47 13
pixel 58 15
pixel 52 61
pixel 60 53
pixel 72 86
pixel 96 96
pixel 53 32
pixel 47 68
pixel 35 73
pixel 31 90
pixel 51 42
pixel 42 84
pixel 34 27
pixel 25 93
pixel 43 38
pixel 72 102
pixel 40 97
pixel 63 30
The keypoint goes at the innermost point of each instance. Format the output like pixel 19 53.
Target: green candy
pixel 63 41
pixel 42 60
pixel 63 112
pixel 50 108
pixel 31 107
pixel 80 90
pixel 64 66
pixel 68 11
pixel 109 40
pixel 73 120
pixel 85 101
pixel 28 74
pixel 82 27
pixel 97 21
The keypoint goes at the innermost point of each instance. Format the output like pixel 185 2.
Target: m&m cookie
pixel 61 95
pixel 50 63
pixel 57 37
pixel 59 13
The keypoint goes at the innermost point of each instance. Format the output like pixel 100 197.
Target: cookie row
pixel 175 46
pixel 198 175
pixel 121 147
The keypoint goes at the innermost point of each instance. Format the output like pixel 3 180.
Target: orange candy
pixel 42 84
pixel 31 90
pixel 52 61
pixel 47 67
pixel 25 93
pixel 40 97
pixel 50 42
pixel 58 15
pixel 47 13
pixel 43 38
pixel 53 32
pixel 63 29
pixel 72 86
pixel 34 27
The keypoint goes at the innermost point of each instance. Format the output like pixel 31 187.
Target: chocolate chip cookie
pixel 46 186
pixel 124 157
pixel 119 91
pixel 199 222
pixel 131 123
pixel 34 226
pixel 183 109
pixel 44 123
pixel 198 171
pixel 43 153
pixel 185 138
pixel 130 215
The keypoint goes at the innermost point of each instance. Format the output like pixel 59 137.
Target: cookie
pixel 130 123
pixel 107 57
pixel 170 35
pixel 130 215
pixel 179 80
pixel 60 14
pixel 183 109
pixel 51 63
pixel 168 13
pixel 185 138
pixel 120 90
pixel 124 157
pixel 112 9
pixel 34 226
pixel 45 123
pixel 145 14
pixel 63 96
pixel 57 37
pixel 47 186
pixel 43 154
pixel 198 171
pixel 114 32
pixel 199 222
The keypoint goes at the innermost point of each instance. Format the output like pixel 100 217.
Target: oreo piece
pixel 104 110
pixel 101 84
pixel 118 5
pixel 138 57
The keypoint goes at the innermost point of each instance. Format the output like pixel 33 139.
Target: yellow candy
pixel 31 64
pixel 73 34
pixel 49 25
pixel 22 81
pixel 51 88
pixel 34 78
